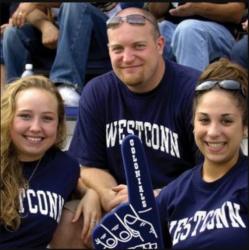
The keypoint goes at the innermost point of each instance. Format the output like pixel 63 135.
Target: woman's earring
pixel 245 134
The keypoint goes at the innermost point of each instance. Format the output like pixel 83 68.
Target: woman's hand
pixel 90 207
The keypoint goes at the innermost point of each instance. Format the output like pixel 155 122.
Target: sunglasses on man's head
pixel 224 84
pixel 135 19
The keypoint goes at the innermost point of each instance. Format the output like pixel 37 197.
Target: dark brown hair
pixel 224 69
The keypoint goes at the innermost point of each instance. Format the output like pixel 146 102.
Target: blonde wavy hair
pixel 12 178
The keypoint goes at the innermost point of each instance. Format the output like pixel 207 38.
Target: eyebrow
pixel 223 115
pixel 30 111
pixel 133 43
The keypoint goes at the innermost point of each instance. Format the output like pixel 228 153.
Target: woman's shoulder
pixel 62 157
pixel 181 181
pixel 239 174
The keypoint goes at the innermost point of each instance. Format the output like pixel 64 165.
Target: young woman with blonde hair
pixel 37 177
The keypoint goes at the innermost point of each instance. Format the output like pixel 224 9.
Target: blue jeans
pixel 167 30
pixel 1 51
pixel 239 53
pixel 196 43
pixel 82 38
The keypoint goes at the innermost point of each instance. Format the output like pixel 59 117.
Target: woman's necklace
pixel 26 185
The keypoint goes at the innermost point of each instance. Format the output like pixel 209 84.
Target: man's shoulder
pixel 182 69
pixel 101 87
pixel 181 77
pixel 102 81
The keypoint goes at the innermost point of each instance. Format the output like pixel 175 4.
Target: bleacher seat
pixel 94 68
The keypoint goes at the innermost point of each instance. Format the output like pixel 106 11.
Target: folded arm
pixel 158 9
pixel 228 12
pixel 50 33
pixel 103 182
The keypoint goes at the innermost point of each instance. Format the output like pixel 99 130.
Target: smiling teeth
pixel 215 145
pixel 34 139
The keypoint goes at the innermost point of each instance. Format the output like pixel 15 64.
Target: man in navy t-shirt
pixel 145 95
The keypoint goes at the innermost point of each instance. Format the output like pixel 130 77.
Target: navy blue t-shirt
pixel 201 215
pixel 161 118
pixel 41 204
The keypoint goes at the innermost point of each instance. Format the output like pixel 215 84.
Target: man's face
pixel 136 55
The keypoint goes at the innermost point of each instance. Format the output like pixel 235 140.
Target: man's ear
pixel 160 44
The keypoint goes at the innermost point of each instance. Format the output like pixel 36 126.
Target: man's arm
pixel 50 33
pixel 48 4
pixel 35 15
pixel 111 194
pixel 24 9
pixel 228 12
pixel 158 9
pixel 102 182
